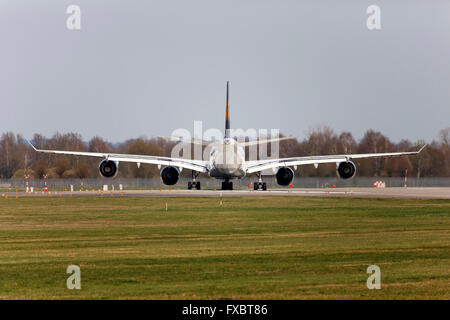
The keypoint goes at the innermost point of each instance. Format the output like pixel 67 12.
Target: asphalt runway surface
pixel 400 193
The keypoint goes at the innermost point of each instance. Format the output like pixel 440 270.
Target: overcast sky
pixel 148 67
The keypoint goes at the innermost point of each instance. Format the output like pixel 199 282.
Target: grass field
pixel 251 248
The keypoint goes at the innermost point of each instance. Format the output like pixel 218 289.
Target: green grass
pixel 251 248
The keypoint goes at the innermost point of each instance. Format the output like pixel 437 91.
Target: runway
pixel 400 193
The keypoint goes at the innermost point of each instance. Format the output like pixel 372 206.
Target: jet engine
pixel 108 168
pixel 170 175
pixel 285 176
pixel 346 170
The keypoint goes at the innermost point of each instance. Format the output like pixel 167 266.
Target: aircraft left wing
pixel 196 165
pixel 260 165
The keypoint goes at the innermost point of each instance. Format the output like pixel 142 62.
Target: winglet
pixel 420 150
pixel 32 145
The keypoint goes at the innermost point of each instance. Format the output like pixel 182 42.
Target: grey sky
pixel 149 67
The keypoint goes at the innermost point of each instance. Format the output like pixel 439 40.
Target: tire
pixel 189 185
pixel 227 185
pixel 264 186
pixel 197 185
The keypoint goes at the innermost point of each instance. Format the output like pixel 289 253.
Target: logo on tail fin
pixel 227 113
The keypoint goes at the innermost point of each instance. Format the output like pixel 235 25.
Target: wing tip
pixel 423 147
pixel 29 142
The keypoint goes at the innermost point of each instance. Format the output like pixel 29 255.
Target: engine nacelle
pixel 346 170
pixel 108 168
pixel 170 175
pixel 285 176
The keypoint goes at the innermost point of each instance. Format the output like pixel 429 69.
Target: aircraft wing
pixel 196 165
pixel 260 165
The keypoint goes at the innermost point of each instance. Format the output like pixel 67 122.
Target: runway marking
pixel 411 193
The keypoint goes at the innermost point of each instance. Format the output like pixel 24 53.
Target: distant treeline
pixel 17 158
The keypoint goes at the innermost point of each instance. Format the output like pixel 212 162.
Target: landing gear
pixel 227 185
pixel 260 185
pixel 194 184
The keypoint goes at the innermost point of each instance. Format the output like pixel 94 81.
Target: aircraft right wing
pixel 260 165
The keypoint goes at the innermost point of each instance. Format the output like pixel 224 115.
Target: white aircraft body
pixel 227 162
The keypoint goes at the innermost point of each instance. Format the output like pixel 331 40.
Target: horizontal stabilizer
pixel 256 142
pixel 191 141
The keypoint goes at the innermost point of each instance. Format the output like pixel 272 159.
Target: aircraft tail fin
pixel 227 113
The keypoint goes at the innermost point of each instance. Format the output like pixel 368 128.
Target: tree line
pixel 18 159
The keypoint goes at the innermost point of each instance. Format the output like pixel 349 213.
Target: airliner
pixel 227 161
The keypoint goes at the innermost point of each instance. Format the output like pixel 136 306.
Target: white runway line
pixel 401 193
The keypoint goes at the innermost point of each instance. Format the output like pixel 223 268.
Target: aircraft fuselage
pixel 227 160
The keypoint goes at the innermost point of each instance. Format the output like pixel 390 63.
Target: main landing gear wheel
pixel 260 186
pixel 227 185
pixel 194 184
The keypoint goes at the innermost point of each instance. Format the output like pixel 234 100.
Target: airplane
pixel 227 161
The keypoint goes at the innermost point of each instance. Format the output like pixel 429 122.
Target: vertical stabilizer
pixel 227 112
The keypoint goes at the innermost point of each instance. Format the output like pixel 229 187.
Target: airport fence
pixel 300 182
